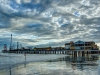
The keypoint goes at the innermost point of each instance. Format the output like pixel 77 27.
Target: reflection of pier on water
pixel 80 61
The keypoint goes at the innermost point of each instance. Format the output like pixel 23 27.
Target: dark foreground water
pixel 49 65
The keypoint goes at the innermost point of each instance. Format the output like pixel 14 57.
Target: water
pixel 40 64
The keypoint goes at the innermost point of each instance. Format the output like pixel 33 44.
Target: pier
pixel 72 48
pixel 69 52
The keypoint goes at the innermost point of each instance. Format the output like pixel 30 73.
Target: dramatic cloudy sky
pixel 49 22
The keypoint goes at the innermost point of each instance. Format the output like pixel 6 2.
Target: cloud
pixel 49 21
pixel 4 21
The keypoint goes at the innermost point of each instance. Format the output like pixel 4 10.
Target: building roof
pixel 79 42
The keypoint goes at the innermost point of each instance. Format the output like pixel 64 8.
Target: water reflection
pixel 83 65
pixel 68 65
pixel 79 62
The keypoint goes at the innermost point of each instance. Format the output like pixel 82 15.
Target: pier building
pixel 81 45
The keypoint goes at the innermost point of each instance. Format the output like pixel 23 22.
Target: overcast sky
pixel 44 23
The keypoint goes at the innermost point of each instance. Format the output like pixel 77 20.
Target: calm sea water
pixel 49 64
